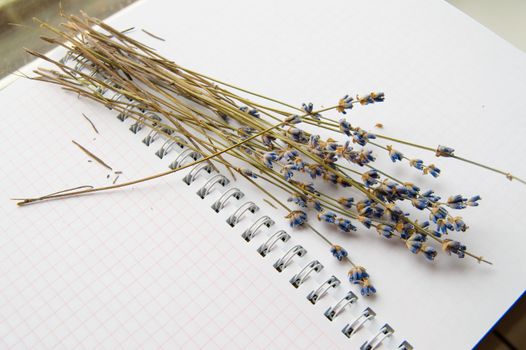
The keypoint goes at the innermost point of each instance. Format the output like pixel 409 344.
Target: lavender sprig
pixel 261 143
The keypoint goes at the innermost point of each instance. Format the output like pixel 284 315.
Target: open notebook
pixel 155 266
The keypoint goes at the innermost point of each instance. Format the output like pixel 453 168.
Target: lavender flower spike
pixel 385 230
pixel 453 247
pixel 346 202
pixel 433 170
pixel 327 216
pixel 268 158
pixel 417 163
pixel 252 111
pixel 444 151
pixel 345 127
pixel 293 119
pixel 473 201
pixel 247 172
pixel 415 242
pixel 367 288
pixel 309 108
pixel 299 200
pixel 357 274
pixel 429 252
pixel 338 252
pixel 370 178
pixel 345 225
pixel 394 154
pixel 371 98
pixel 296 218
pixel 346 102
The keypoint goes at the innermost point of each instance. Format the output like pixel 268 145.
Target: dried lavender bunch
pixel 263 144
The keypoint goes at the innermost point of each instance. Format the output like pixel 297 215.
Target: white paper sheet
pixel 116 269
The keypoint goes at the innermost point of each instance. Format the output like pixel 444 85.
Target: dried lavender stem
pixel 152 177
pixel 91 155
pixel 167 80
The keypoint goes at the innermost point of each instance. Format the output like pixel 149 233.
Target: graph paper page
pixel 154 266
pixel 151 266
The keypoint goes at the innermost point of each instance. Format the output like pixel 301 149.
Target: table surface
pixel 504 17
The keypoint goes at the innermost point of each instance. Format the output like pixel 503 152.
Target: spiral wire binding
pixel 405 346
pixel 335 310
pixel 286 259
pixel 384 332
pixel 279 237
pixel 266 247
pixel 221 202
pixel 194 173
pixel 300 277
pixel 182 157
pixel 354 326
pixel 323 289
pixel 214 180
pixel 233 219
pixel 168 145
pixel 253 230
